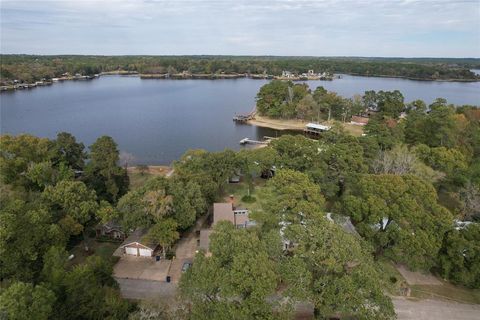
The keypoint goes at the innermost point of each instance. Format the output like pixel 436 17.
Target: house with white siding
pixel 135 245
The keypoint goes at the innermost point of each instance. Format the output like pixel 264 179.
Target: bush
pixel 249 199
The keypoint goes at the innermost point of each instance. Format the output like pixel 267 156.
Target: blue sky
pixel 407 28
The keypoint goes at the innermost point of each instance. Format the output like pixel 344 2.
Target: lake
pixel 158 120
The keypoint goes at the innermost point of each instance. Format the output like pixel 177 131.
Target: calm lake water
pixel 158 120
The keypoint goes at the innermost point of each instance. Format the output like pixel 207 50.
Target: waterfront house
pixel 287 74
pixel 227 212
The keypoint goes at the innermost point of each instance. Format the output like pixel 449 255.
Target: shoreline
pixel 278 124
pixel 299 125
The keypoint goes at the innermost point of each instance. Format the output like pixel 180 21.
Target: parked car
pixel 185 266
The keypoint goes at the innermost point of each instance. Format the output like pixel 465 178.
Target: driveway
pixel 146 289
pixel 434 310
pixel 131 267
pixel 185 250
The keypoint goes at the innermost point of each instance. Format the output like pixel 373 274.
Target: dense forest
pixel 30 68
pixel 410 186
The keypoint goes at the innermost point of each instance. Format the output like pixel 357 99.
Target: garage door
pixel 132 251
pixel 145 252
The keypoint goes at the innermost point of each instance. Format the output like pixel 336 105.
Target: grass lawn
pixel 446 291
pixel 393 279
pixel 239 190
pixel 138 178
pixel 102 249
pixel 354 130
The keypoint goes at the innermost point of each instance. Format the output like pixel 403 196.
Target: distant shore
pixel 209 76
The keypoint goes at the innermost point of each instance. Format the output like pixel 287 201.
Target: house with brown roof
pixel 136 245
pixel 111 230
pixel 359 120
pixel 227 212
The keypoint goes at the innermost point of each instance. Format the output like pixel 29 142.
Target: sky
pixel 387 28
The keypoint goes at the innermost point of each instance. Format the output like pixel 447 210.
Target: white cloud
pixel 281 27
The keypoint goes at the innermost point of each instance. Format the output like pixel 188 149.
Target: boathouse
pixel 315 128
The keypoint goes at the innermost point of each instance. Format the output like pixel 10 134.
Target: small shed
pixel 135 245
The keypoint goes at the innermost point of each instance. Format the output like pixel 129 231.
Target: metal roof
pixel 317 126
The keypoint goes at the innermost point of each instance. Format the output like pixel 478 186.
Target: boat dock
pixel 266 140
pixel 245 117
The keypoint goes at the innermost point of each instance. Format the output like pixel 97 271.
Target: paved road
pixel 146 289
pixel 435 310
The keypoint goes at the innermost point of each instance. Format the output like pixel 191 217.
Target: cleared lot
pixel 130 267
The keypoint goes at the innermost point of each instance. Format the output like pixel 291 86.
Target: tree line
pixel 30 68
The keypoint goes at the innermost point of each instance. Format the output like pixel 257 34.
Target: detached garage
pixel 134 245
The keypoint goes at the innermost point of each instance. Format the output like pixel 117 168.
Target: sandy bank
pixel 153 170
pixel 278 124
pixel 299 125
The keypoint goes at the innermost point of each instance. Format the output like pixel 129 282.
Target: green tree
pixel 306 108
pixel 90 292
pixel 459 258
pixel 72 198
pixel 43 174
pixel 272 97
pixel 399 216
pixel 67 150
pixel 188 202
pixel 23 301
pixel 386 131
pixel 17 153
pixel 290 197
pixel 31 230
pixel 296 152
pixel 342 157
pixel 330 269
pixel 390 103
pixel 226 285
pixel 164 233
pixel 102 172
pixel 440 126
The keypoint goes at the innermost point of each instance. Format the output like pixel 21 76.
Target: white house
pixel 135 245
